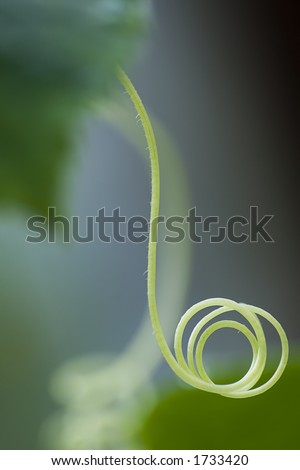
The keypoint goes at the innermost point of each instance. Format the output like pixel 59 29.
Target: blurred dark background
pixel 222 77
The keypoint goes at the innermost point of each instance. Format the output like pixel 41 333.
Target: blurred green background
pixel 222 79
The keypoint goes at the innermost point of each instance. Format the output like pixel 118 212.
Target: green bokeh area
pixel 56 57
pixel 190 419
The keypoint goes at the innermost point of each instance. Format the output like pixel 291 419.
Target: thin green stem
pixel 192 370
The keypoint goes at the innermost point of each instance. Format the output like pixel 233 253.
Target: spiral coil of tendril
pixel 191 369
pixel 193 365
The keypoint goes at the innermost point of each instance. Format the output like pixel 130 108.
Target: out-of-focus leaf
pixel 27 356
pixel 191 419
pixel 55 57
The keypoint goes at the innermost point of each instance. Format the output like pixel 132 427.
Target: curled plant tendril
pixel 190 368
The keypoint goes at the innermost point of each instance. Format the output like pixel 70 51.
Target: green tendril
pixel 190 367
